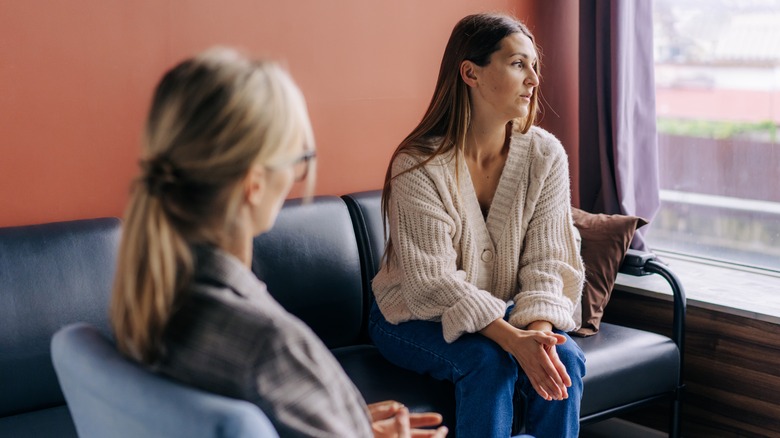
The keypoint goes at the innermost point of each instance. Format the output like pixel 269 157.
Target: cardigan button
pixel 487 255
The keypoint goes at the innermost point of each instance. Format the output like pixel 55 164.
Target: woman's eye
pixel 518 64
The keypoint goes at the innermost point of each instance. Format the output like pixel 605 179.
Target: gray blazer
pixel 229 336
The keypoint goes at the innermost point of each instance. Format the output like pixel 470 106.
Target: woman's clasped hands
pixel 534 349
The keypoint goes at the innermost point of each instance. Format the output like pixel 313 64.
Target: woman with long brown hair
pixel 482 274
pixel 225 140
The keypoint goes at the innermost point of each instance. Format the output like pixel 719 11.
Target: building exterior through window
pixel 717 73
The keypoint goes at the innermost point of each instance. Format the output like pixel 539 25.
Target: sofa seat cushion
pixel 378 380
pixel 625 365
pixel 49 422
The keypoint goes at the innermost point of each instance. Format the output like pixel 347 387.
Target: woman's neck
pixel 486 140
pixel 240 240
pixel 242 250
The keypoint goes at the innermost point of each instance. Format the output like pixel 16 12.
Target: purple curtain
pixel 618 143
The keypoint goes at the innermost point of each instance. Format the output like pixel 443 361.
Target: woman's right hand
pixel 390 419
pixel 536 354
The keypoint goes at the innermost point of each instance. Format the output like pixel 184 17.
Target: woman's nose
pixel 533 78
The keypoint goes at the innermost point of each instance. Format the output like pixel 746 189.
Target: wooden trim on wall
pixel 731 370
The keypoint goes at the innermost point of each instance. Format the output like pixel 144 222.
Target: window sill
pixel 744 292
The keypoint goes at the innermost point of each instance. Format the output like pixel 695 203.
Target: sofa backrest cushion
pixel 50 275
pixel 366 212
pixel 310 262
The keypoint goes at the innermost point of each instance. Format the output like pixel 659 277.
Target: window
pixel 717 73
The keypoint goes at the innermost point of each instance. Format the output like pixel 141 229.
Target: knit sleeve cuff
pixel 471 314
pixel 532 307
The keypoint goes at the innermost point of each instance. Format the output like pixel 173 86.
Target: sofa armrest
pixel 645 263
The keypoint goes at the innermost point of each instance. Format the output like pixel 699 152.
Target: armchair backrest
pixel 109 395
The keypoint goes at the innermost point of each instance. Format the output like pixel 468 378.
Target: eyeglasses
pixel 301 165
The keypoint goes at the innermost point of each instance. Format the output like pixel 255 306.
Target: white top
pixel 449 264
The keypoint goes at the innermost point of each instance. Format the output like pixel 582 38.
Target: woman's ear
pixel 468 72
pixel 254 185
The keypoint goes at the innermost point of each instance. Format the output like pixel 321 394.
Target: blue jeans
pixel 485 377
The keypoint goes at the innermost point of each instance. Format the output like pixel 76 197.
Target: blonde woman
pixel 477 202
pixel 225 140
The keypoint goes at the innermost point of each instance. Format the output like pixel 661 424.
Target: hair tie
pixel 160 174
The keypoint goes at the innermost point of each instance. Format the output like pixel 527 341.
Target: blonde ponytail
pixel 155 263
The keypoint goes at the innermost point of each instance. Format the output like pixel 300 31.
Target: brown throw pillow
pixel 605 240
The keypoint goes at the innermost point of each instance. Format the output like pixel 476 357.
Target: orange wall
pixel 77 77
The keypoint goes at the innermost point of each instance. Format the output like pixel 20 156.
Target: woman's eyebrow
pixel 522 54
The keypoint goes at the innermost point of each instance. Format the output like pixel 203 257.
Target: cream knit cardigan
pixel 449 264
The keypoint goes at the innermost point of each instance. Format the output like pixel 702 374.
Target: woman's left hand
pixel 390 419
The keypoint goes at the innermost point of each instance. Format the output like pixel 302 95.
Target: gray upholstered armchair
pixel 109 395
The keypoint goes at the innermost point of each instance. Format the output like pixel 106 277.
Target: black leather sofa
pixel 310 261
pixel 318 262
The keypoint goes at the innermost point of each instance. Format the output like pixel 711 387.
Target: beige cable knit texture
pixel 451 265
